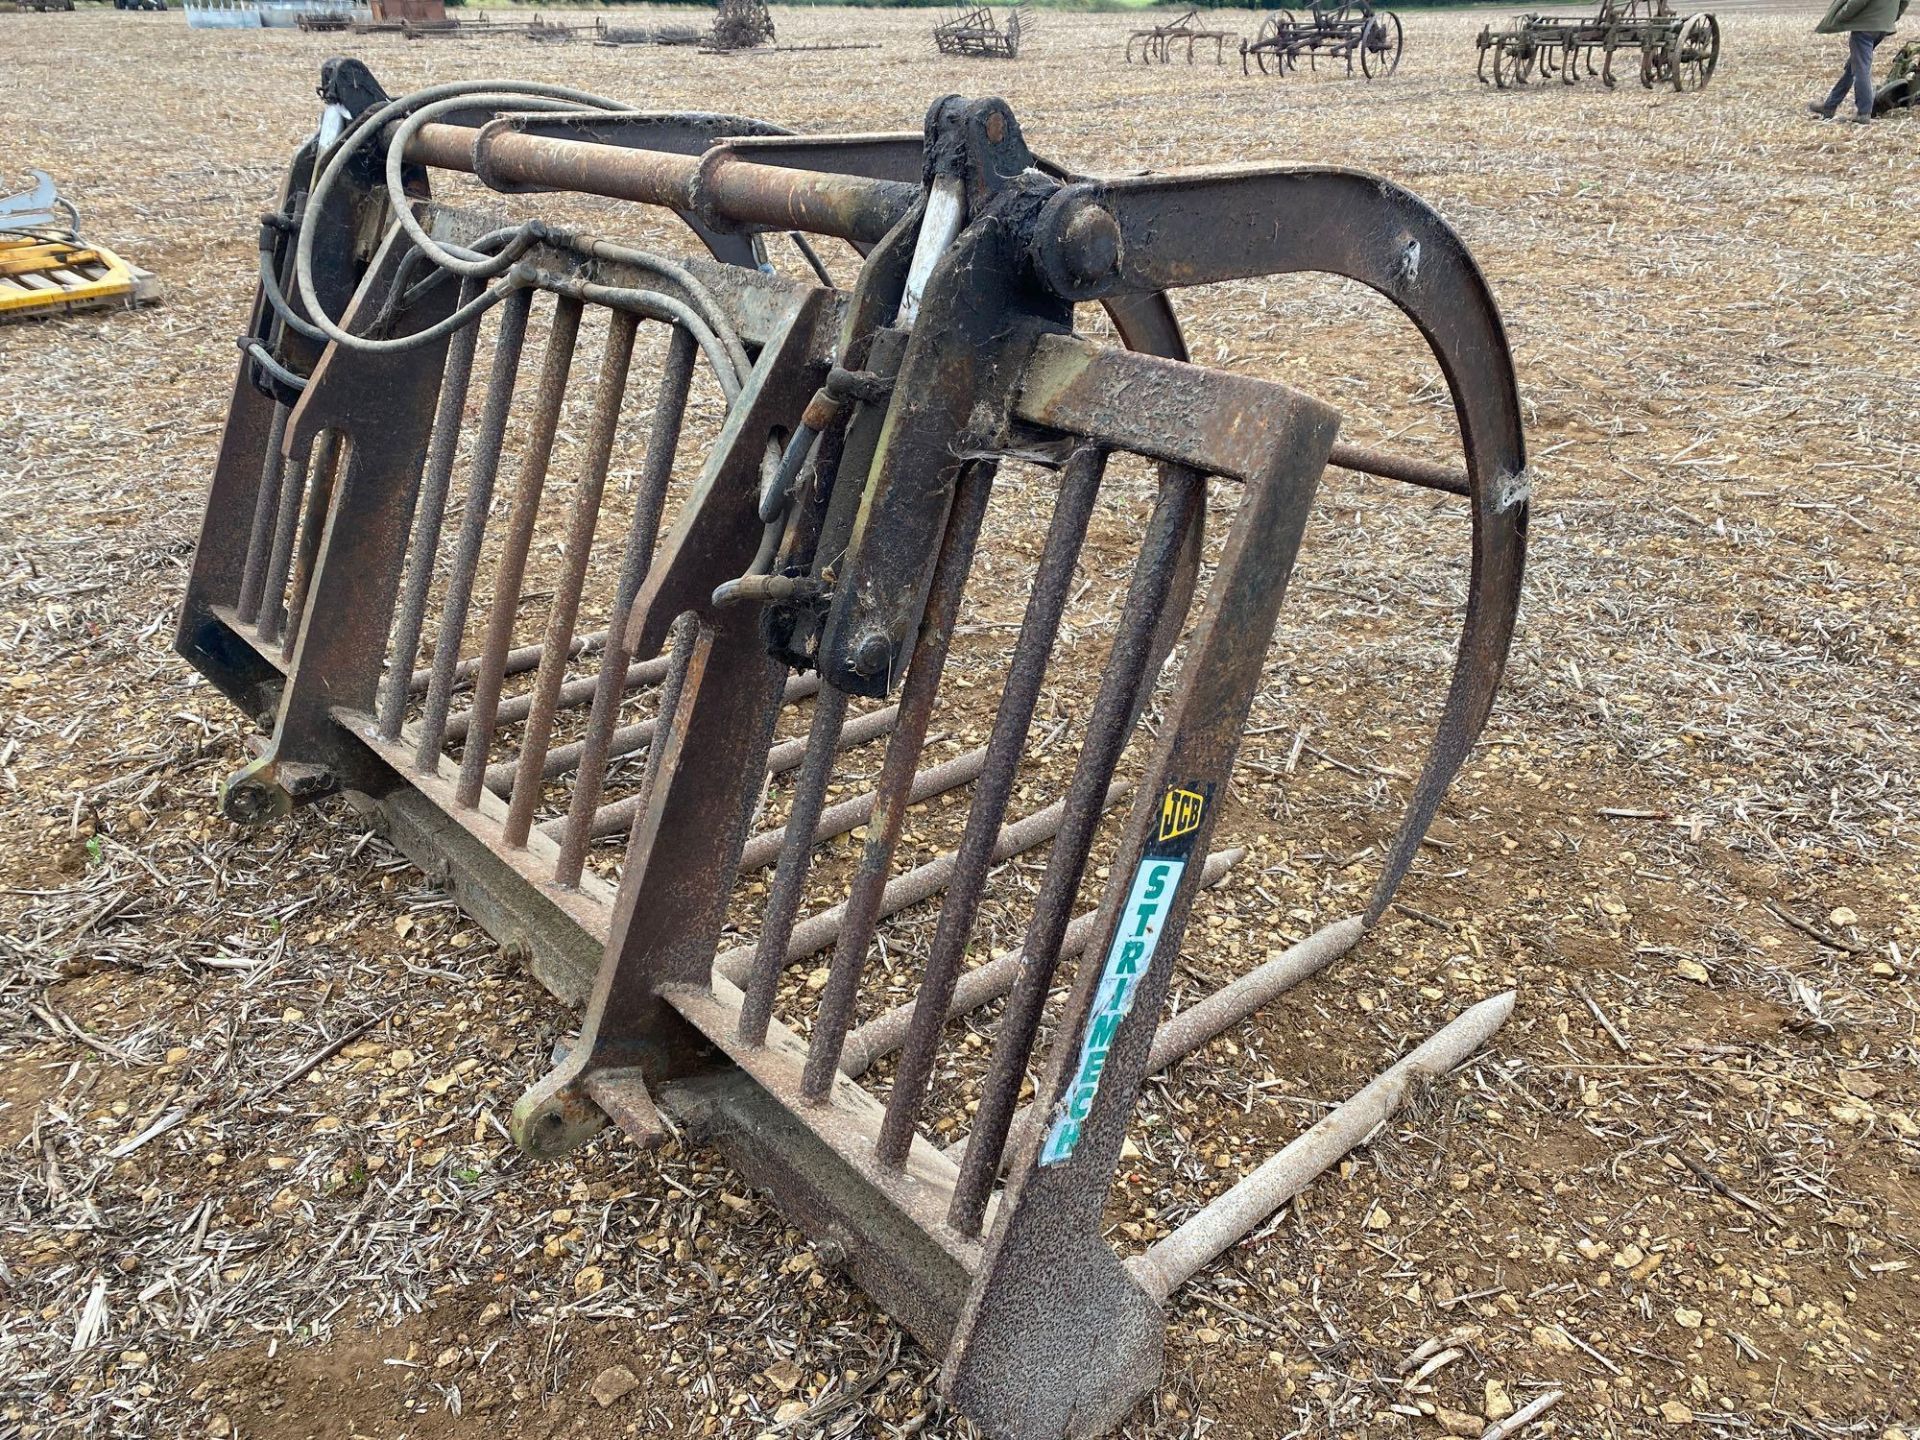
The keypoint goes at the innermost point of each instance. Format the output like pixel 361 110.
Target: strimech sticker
pixel 1128 959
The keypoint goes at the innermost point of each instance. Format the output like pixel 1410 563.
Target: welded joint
pixel 705 185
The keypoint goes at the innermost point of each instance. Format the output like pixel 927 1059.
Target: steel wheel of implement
pixel 1693 52
pixel 1512 66
pixel 1267 47
pixel 1380 45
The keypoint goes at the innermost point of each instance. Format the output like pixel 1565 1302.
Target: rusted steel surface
pixel 746 192
pixel 806 574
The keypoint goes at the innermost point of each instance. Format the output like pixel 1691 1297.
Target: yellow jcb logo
pixel 1180 812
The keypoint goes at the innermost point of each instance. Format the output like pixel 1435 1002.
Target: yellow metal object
pixel 42 272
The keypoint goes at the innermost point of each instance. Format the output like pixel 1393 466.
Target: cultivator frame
pixel 1346 31
pixel 821 557
pixel 1156 43
pixel 1672 50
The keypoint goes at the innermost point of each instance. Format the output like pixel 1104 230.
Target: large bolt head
pixel 873 654
pixel 1090 248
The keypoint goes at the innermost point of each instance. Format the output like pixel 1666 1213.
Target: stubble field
pixel 1682 1184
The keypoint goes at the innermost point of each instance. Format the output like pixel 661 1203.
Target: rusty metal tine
pixel 790 876
pixel 511 573
pixel 984 984
pixel 429 515
pixel 663 444
pixel 573 694
pixel 1225 1007
pixel 682 637
pixel 615 361
pixel 1171 1262
pixel 1182 493
pixel 917 695
pixel 273 589
pixel 485 468
pixel 619 816
pixel 519 661
pixel 1236 1000
pixel 265 504
pixel 325 471
pixel 763 849
pixel 790 754
pixel 502 777
pixel 1053 579
pixel 643 531
pixel 916 886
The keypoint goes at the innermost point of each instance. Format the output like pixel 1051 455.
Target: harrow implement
pixel 1347 32
pixel 1671 50
pixel 974 32
pixel 1157 43
pixel 732 628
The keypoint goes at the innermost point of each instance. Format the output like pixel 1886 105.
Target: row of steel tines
pixel 947 988
pixel 837 1046
pixel 290 510
pixel 290 514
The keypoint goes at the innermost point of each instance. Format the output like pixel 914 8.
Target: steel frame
pixel 843 555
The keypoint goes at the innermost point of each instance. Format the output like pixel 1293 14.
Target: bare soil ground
pixel 1681 1186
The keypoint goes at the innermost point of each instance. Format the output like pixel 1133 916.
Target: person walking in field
pixel 1865 23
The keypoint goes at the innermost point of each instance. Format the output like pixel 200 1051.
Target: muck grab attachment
pixel 1345 32
pixel 1671 50
pixel 630 591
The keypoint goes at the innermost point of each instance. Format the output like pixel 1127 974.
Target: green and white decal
pixel 1149 896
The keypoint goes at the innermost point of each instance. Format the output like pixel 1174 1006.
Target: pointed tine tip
pixel 1500 1006
pixel 1454 1043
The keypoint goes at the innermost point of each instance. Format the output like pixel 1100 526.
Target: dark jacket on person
pixel 1872 16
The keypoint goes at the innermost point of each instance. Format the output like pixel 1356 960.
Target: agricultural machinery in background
pixel 975 33
pixel 1901 89
pixel 1157 44
pixel 1347 33
pixel 1670 49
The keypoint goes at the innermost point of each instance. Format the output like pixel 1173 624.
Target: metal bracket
pixel 269 789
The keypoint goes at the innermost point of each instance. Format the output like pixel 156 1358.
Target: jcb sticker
pixel 1180 812
pixel 1149 896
